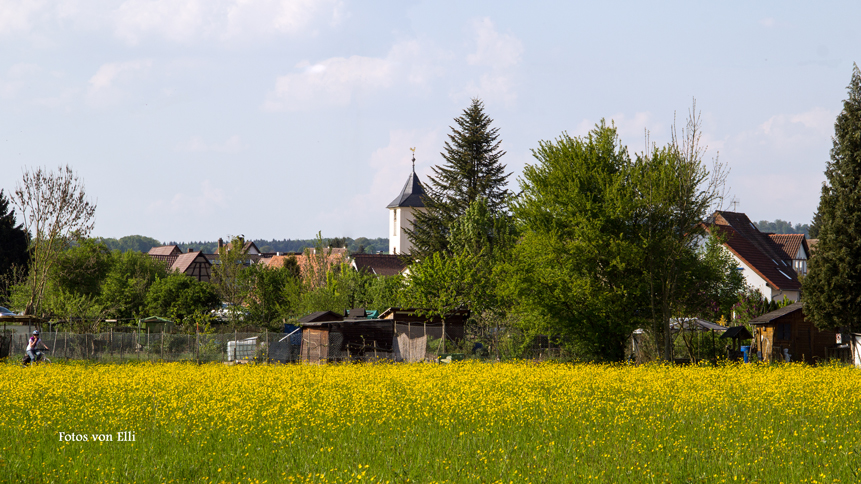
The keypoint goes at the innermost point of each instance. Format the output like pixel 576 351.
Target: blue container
pixel 745 351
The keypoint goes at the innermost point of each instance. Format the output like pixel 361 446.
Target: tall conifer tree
pixel 472 170
pixel 832 288
pixel 13 239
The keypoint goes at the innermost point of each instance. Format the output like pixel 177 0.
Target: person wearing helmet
pixel 33 346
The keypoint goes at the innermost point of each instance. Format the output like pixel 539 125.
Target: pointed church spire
pixel 413 191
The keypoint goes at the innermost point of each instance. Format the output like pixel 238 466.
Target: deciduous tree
pixel 55 210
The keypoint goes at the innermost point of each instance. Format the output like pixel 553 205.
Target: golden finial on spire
pixel 414 158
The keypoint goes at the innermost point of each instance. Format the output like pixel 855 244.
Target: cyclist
pixel 33 350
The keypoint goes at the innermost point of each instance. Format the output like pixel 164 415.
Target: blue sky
pixel 199 119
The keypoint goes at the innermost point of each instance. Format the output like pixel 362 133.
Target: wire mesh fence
pixel 115 346
pixel 345 341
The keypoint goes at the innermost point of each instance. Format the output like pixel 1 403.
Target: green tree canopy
pixel 578 266
pixel 180 297
pixel 832 288
pixel 611 244
pixel 126 284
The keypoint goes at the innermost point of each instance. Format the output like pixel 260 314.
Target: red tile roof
pixel 167 259
pixel 380 264
pixel 184 261
pixel 790 244
pixel 755 249
pixel 165 250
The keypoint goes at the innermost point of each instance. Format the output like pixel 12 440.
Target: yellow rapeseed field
pixel 469 422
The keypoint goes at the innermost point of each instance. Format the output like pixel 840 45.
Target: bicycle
pixel 41 357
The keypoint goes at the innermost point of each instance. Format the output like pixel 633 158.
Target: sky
pixel 197 119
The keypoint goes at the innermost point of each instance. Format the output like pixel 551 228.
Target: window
pixel 783 331
pixel 395 224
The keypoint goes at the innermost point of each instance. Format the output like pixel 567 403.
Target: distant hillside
pixel 143 244
pixel 131 242
pixel 783 227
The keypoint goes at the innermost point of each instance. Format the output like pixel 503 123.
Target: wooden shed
pixel 410 321
pixel 787 332
pixel 347 340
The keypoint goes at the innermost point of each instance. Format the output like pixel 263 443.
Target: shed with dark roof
pixel 786 331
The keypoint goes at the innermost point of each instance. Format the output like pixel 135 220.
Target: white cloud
pixel 18 16
pixel 392 165
pixel 280 16
pixel 492 48
pixel 108 73
pixel 817 123
pixel 498 52
pixel 206 201
pixel 333 82
pixel 789 133
pixel 18 76
pixel 196 144
pixel 176 20
pixel 184 20
pixel 492 87
pixel 631 129
pixel 339 81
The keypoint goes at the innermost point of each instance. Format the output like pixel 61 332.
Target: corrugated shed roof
pixel 777 313
pixel 411 195
pixel 756 250
pixel 380 264
pixel 321 316
pixel 165 250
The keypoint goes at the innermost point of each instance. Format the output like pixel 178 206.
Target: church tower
pixel 402 212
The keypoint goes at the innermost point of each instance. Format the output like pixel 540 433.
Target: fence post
pixel 162 343
pixel 111 342
pixel 197 344
pixel 65 346
pixel 266 331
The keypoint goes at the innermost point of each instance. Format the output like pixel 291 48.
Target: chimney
pixel 190 250
pixel 220 243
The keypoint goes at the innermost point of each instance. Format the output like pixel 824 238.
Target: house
pixel 193 263
pixel 785 334
pixel 250 253
pixel 378 264
pixel 795 248
pixel 165 250
pixel 764 260
pixel 402 213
